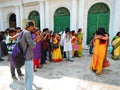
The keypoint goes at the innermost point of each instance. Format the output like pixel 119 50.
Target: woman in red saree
pixel 101 39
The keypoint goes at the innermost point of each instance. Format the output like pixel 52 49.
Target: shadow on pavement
pixel 80 69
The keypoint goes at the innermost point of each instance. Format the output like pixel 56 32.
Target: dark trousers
pixel 62 52
pixel 50 56
pixel 12 70
pixel 43 55
pixel 0 54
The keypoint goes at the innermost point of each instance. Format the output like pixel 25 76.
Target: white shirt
pixel 67 44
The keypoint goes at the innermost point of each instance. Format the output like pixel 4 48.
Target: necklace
pixel 67 38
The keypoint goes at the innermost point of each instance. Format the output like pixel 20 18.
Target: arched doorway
pixel 98 16
pixel 35 17
pixel 12 21
pixel 61 19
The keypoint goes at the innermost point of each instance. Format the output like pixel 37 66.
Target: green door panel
pixel 34 16
pixel 61 19
pixel 92 26
pixel 104 21
pixel 61 23
pixel 98 17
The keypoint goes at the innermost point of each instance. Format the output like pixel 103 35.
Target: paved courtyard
pixel 65 76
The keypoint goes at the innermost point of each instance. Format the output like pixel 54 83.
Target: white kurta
pixel 67 45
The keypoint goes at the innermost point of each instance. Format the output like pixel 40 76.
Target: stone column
pixel 81 19
pixel 1 21
pixel 116 21
pixel 21 16
pixel 47 14
pixel 81 14
pixel 73 20
pixel 42 16
pixel 17 12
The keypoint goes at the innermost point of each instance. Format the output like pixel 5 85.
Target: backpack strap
pixel 19 43
pixel 26 47
pixel 20 36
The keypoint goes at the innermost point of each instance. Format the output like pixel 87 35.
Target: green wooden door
pixel 34 15
pixel 61 20
pixel 98 17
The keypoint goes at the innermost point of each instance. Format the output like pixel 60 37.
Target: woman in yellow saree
pixel 56 52
pixel 101 39
pixel 79 39
pixel 116 47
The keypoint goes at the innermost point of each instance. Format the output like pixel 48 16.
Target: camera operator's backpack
pixel 18 56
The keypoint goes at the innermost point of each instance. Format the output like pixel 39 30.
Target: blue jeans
pixel 91 50
pixel 69 55
pixel 28 75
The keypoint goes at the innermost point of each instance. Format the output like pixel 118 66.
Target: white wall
pixel 30 5
pixel 28 9
pixel 6 13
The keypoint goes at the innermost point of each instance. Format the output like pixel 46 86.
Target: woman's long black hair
pixel 101 31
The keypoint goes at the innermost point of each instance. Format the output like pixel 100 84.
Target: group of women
pixel 72 43
pixel 47 43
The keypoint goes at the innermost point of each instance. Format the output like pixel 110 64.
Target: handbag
pixel 75 47
pixel 55 46
pixel 106 63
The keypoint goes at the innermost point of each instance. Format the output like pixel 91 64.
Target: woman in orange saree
pixel 101 39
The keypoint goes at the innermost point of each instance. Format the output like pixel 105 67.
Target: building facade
pixel 60 14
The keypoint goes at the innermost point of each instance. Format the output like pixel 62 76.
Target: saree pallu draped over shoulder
pixel 56 53
pixel 79 38
pixel 99 55
pixel 116 48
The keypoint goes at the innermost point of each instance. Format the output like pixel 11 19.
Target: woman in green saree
pixel 79 38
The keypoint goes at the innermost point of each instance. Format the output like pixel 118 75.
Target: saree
pixel 79 38
pixel 99 55
pixel 56 53
pixel 116 48
pixel 74 45
pixel 36 53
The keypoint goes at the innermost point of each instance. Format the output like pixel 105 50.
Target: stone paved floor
pixel 66 76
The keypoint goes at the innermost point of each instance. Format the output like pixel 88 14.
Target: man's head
pixel 30 26
pixel 18 29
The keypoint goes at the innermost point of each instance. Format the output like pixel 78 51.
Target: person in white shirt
pixel 68 45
